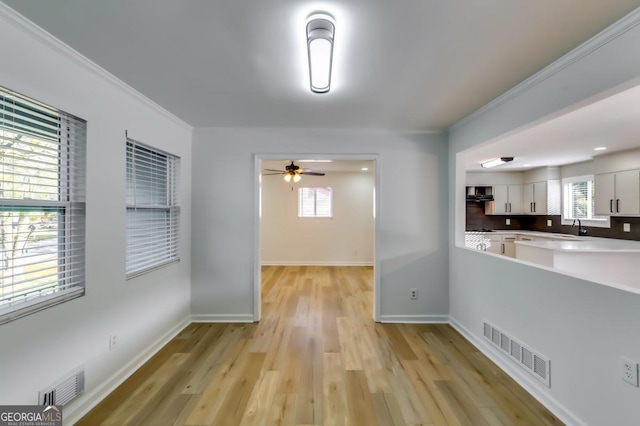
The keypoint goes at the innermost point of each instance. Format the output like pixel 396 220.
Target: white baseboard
pixel 316 263
pixel 521 377
pixel 222 318
pixel 78 408
pixel 415 319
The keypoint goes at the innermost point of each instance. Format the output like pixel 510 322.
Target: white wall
pixel 493 178
pixel 411 250
pixel 576 169
pixel 584 328
pixel 344 239
pixel 38 349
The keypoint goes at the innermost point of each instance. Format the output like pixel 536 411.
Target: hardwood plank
pixel 348 336
pixel 398 342
pixel 283 409
pixel 317 358
pixel 359 400
pixel 387 409
pixel 261 400
pixel 291 364
pixel 335 410
pixel 465 411
pixel 309 407
pixel 212 397
pixel 236 395
pixel 147 391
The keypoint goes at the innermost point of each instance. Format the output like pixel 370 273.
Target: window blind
pixel 153 211
pixel 42 205
pixel 315 202
pixel 579 199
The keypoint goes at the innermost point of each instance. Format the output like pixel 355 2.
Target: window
pixel 153 210
pixel 315 202
pixel 42 205
pixel 578 195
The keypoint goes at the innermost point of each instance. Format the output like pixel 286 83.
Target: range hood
pixel 479 194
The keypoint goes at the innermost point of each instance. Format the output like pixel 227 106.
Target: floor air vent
pixel 64 391
pixel 525 357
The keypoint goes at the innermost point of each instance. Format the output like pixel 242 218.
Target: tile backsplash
pixel 477 220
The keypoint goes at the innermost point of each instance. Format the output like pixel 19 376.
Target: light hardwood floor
pixel 317 358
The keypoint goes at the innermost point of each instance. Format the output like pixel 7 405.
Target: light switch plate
pixel 549 222
pixel 508 221
pixel 626 227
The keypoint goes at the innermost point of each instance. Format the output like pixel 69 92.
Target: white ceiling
pixel 412 65
pixel 612 123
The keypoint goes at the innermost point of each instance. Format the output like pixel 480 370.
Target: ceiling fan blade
pixel 277 173
pixel 313 173
pixel 273 170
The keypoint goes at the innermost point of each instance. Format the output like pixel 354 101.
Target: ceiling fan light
pixel 287 177
pixel 296 177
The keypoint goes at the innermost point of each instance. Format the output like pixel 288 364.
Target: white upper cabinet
pixel 535 198
pixel 507 199
pixel 617 194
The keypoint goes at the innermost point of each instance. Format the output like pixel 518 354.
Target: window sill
pixel 12 313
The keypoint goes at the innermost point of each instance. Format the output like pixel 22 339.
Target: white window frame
pixel 50 142
pixel 315 215
pixel 153 208
pixel 598 223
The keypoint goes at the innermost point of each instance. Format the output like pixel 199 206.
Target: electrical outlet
pixel 626 227
pixel 629 371
pixel 508 222
pixel 549 222
pixel 414 293
pixel 113 342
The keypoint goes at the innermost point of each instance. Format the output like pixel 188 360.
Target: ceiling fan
pixel 292 172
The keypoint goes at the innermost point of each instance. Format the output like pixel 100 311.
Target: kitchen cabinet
pixel 509 245
pixel 617 194
pixel 535 198
pixel 507 199
pixel 493 244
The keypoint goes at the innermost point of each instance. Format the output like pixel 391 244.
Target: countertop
pixel 568 242
pixel 587 244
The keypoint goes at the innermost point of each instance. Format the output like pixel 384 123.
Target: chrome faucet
pixel 581 230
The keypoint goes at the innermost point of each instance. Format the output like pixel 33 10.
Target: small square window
pixel 315 202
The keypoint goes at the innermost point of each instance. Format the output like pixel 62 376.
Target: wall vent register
pixel 525 357
pixel 63 392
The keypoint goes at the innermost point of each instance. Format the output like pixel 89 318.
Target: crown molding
pixel 39 34
pixel 604 37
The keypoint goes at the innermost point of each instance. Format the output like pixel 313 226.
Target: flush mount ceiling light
pixel 496 162
pixel 320 31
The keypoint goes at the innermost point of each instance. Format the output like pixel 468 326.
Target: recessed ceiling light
pixel 364 169
pixel 600 148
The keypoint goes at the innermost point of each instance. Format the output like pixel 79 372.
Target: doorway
pixel 326 240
